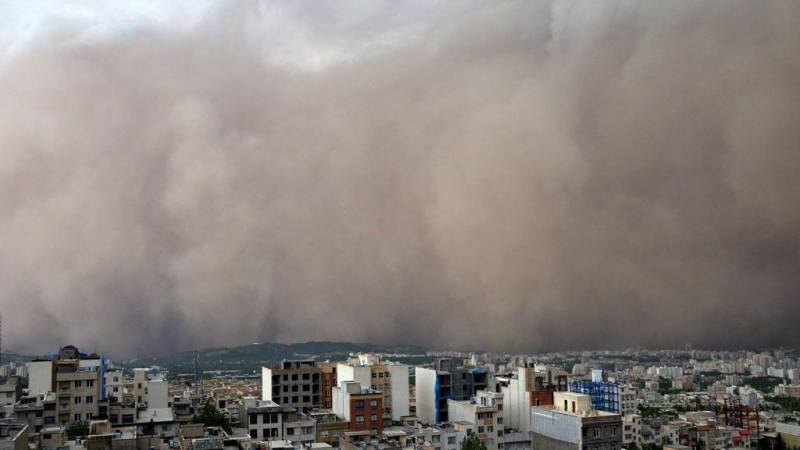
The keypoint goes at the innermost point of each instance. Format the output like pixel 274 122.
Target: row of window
pixel 372 404
pixel 265 418
pixel 267 433
pixel 294 388
pixel 306 399
pixel 595 432
pixel 372 418
pixel 295 377
pixel 79 383
pixel 89 399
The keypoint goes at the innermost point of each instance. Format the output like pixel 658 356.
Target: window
pixel 308 430
pixel 116 379
pixel 373 418
pixel 253 419
pixel 285 388
pixel 595 433
pixel 294 377
pixel 499 406
pixel 290 431
pixel 612 431
pixel 306 399
pixel 490 428
pixel 139 385
pixel 294 399
pixel 77 417
pixel 285 377
pixel 265 432
pixel 77 400
pixel 90 383
pixel 295 388
pixel 323 433
pixel 306 388
pixel 451 440
pixel 77 383
pixel 89 399
pixel 359 419
pixel 306 376
pixel 253 434
pixel 499 420
pixel 481 429
pixel 373 403
pixel 285 400
pixel 360 404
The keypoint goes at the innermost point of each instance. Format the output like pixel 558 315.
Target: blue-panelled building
pixel 604 395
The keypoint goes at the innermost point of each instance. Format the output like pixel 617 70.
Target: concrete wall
pixel 40 377
pixel 346 372
pixel 556 425
pixel 266 384
pixel 426 399
pixel 517 406
pixel 400 391
pixel 540 442
pixel 157 393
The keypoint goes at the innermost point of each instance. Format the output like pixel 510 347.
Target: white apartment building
pixel 387 377
pixel 481 417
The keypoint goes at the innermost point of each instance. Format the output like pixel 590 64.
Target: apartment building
pixel 10 391
pixel 327 381
pixel 78 391
pixel 38 412
pixel 482 417
pixel 294 384
pixel 330 428
pixel 298 428
pixel 529 387
pixel 446 380
pixel 571 424
pixel 262 418
pixel 361 407
pixel 392 379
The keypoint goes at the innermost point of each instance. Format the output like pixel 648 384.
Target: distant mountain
pixel 6 358
pixel 249 358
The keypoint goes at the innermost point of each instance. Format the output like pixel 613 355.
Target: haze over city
pixel 503 176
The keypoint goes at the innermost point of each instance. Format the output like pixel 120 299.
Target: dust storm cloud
pixel 503 176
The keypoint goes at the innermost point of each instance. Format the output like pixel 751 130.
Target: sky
pixel 509 175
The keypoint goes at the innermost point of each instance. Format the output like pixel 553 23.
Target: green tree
pixel 472 442
pixel 211 417
pixel 77 429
